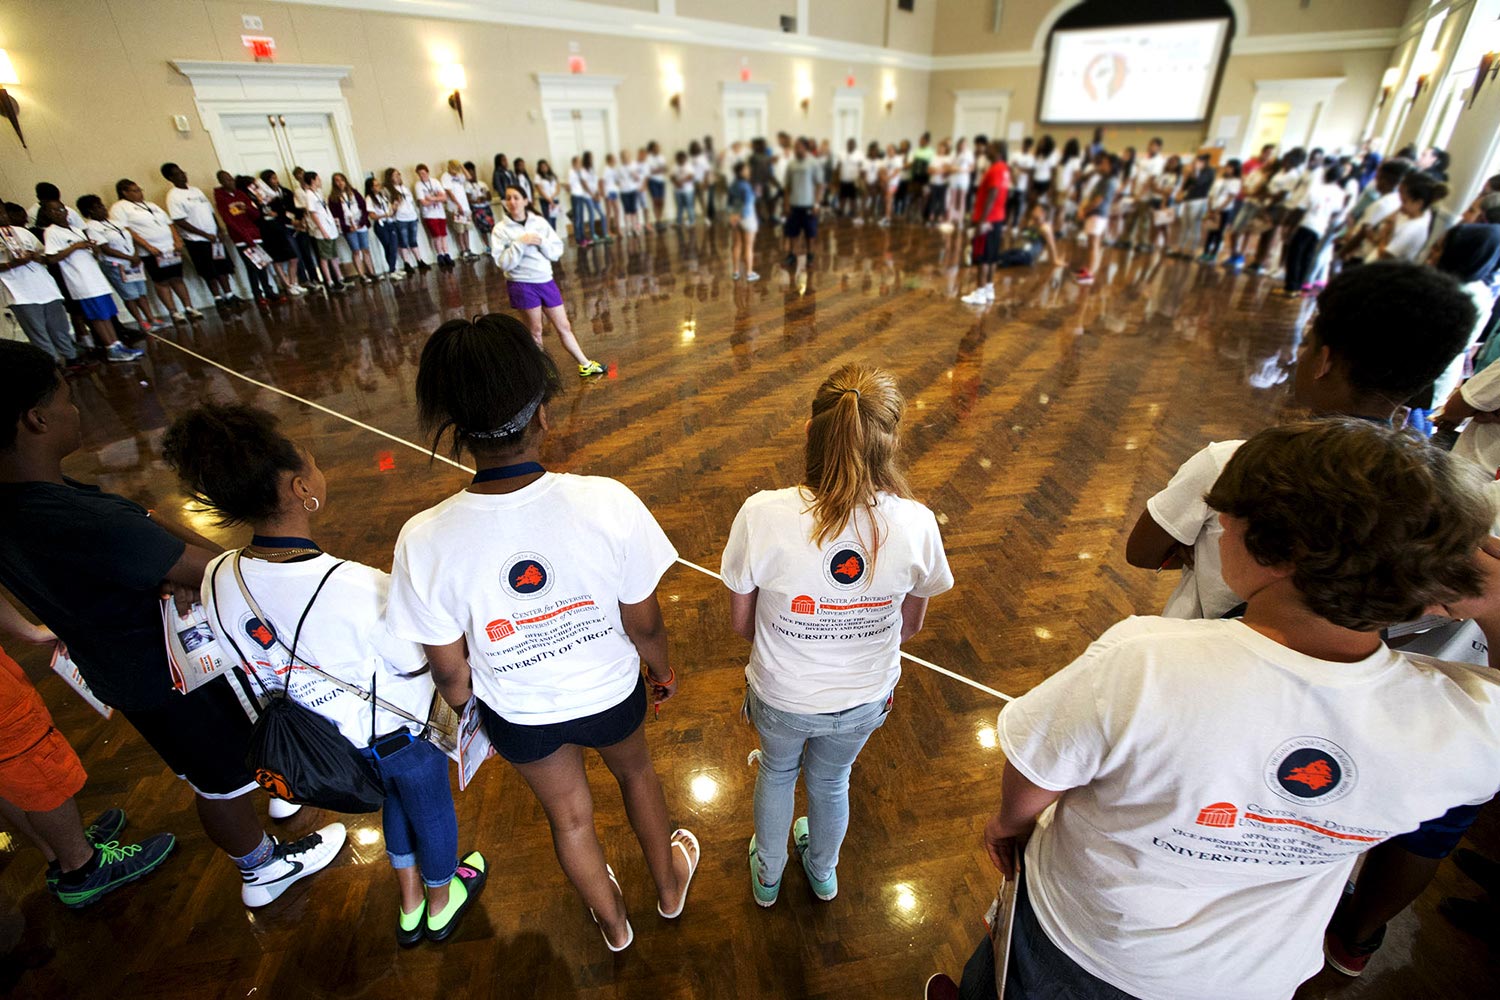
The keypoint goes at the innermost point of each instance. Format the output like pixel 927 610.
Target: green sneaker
pixel 409 925
pixel 105 828
pixel 826 889
pixel 591 369
pixel 117 865
pixel 765 895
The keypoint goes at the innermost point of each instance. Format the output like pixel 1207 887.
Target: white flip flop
pixel 629 931
pixel 678 836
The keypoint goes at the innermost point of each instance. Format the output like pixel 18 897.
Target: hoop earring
pixel 315 505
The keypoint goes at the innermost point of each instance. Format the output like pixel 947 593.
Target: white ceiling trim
pixel 581 18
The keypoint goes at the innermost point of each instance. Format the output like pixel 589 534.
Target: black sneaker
pixel 422 265
pixel 116 865
pixel 470 875
pixel 105 829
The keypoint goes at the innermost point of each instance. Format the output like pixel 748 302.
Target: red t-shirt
pixel 996 179
pixel 239 214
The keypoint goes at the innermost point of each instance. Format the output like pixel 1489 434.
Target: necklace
pixel 282 548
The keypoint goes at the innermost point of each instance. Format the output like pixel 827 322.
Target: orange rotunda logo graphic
pixel 804 605
pixel 1220 815
pixel 499 629
pixel 273 783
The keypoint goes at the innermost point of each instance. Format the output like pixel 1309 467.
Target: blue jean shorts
pixel 406 234
pixel 127 290
pixel 358 240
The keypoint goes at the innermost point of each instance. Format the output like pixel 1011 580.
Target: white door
pixel 743 125
pixel 593 134
pixel 311 144
pixel 574 131
pixel 848 122
pixel 983 114
pixel 276 142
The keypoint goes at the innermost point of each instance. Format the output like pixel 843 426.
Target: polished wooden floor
pixel 1037 429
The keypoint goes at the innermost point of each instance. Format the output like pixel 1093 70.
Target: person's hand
pixel 1179 556
pixel 184 597
pixel 530 239
pixel 984 228
pixel 1485 607
pixel 1003 846
pixel 37 635
pixel 661 692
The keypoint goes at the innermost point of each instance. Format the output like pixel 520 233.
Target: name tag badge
pixel 218 250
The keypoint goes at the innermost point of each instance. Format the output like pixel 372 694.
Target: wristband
pixel 671 678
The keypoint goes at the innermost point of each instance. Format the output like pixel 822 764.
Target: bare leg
pixel 180 289
pixel 104 331
pixel 409 880
pixel 533 319
pixel 1390 881
pixel 61 831
pixel 749 245
pixel 645 805
pixel 230 823
pixel 559 317
pixel 137 309
pixel 17 818
pixel 560 785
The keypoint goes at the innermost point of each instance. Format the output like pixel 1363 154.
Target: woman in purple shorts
pixel 525 246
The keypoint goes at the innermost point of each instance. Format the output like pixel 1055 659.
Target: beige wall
pixel 964 26
pixel 92 121
pixel 755 13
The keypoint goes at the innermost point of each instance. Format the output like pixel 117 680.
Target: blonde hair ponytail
pixel 852 442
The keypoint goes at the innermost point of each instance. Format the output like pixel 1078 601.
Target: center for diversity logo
pixel 1309 770
pixel 526 575
pixel 845 567
pixel 1104 76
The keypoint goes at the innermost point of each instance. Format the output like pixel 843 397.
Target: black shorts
pixel 203 737
pixel 987 245
pixel 204 261
pixel 847 191
pixel 529 744
pixel 159 272
pixel 801 221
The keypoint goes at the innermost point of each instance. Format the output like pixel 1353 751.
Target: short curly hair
pixel 1377 524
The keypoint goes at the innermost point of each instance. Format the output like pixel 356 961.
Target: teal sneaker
pixel 765 895
pixel 105 828
pixel 824 890
pixel 117 865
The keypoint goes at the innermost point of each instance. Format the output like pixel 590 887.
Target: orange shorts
pixel 38 769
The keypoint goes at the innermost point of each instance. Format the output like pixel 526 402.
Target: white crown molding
pixel 1316 41
pixel 987 60
pixel 581 18
pixel 579 81
pixel 197 69
pixel 742 87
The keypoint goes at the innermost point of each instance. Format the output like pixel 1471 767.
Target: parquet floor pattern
pixel 1036 430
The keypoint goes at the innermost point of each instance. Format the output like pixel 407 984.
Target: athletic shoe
pixel 885 223
pixel 1083 276
pixel 827 888
pixel 119 352
pixel 1235 262
pixel 591 369
pixel 980 296
pixel 752 276
pixel 282 809
pixel 1350 958
pixel 422 265
pixel 790 261
pixel 192 313
pixel 468 883
pixel 116 865
pixel 296 290
pixel 105 828
pixel 178 317
pixel 940 987
pixel 765 895
pixel 398 275
pixel 260 301
pixel 734 276
pixel 410 927
pixel 290 863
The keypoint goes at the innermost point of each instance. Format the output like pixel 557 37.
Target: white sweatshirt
pixel 525 262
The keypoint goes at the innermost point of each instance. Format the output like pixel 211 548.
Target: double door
pixel 280 142
pixel 574 131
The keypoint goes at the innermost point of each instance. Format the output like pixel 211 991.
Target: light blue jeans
pixel 823 749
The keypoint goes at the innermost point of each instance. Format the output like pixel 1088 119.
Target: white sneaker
pixel 752 276
pixel 296 290
pixel 980 296
pixel 282 809
pixel 193 313
pixel 290 863
pixel 734 276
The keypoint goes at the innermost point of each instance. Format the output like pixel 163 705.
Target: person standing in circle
pixel 553 645
pixel 826 580
pixel 525 246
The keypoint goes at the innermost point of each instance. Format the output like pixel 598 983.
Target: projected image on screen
pixel 1133 73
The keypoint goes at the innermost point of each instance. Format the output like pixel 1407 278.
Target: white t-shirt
pixel 827 619
pixel 1180 511
pixel 1480 443
pixel 1224 192
pixel 534 579
pixel 1409 236
pixel 32 283
pixel 683 178
pixel 1042 173
pixel 1067 173
pixel 431 189
pixel 1021 166
pixel 1147 169
pixel 153 224
pixel 628 177
pixel 940 169
pixel 611 178
pixel 1383 208
pixel 74 219
pixel 1323 201
pixel 850 167
pixel 320 221
pixel 872 168
pixel 80 269
pixel 963 170
pixel 576 186
pixel 344 634
pixel 457 186
pixel 406 208
pixel 111 235
pixel 1219 788
pixel 702 167
pixel 656 166
pixel 192 206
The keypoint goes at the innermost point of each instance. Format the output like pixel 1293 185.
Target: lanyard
pixel 507 472
pixel 282 542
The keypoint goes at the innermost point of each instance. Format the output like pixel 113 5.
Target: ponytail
pixel 852 442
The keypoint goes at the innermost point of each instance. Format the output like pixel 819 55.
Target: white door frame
pixel 581 92
pixel 736 96
pixel 849 99
pixel 1314 92
pixel 980 100
pixel 221 88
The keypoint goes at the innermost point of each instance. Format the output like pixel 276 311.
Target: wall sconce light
pixel 8 106
pixel 674 83
pixel 1388 84
pixel 452 76
pixel 1489 63
pixel 1424 66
